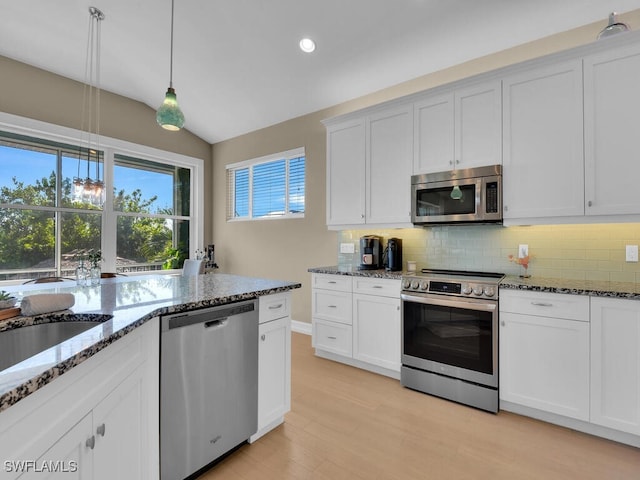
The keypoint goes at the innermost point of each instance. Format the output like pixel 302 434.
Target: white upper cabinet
pixel 345 173
pixel 458 129
pixel 369 169
pixel 543 142
pixel 388 167
pixel 612 103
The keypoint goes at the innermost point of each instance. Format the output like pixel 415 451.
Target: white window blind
pixel 267 187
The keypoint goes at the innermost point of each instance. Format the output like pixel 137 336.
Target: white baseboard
pixel 301 327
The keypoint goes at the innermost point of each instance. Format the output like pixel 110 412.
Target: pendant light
pixel 169 116
pixel 614 27
pixel 90 190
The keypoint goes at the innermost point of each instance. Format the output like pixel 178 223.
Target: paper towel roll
pixel 46 302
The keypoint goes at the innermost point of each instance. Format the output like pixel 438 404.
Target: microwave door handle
pixel 470 304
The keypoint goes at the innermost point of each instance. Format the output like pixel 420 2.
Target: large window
pixel 147 221
pixel 267 187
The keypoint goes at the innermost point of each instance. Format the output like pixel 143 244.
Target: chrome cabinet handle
pixel 377 286
pixel 332 281
pixel 91 442
pixel 100 430
pixel 362 216
pixel 332 338
pixel 542 304
pixel 503 324
pixel 275 307
pixel 332 306
pixel 506 208
pixel 263 337
pixel 589 203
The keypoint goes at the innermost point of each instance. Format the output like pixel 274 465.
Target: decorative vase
pixel 525 272
pixel 82 274
pixel 95 275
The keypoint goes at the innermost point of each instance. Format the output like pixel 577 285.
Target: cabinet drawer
pixel 555 305
pixel 274 306
pixel 377 286
pixel 332 337
pixel 329 305
pixel 332 282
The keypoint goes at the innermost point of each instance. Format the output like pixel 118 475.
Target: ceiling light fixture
pixel 613 27
pixel 169 116
pixel 88 190
pixel 307 45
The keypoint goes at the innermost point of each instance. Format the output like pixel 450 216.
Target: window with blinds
pixel 267 187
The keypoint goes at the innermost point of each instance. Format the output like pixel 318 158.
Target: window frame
pixel 287 156
pixel 111 146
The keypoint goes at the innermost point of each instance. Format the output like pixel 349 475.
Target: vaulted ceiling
pixel 237 65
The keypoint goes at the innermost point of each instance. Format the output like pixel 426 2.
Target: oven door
pixel 452 336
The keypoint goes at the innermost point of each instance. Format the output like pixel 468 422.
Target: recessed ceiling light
pixel 307 45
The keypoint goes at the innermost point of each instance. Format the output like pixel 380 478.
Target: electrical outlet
pixel 632 253
pixel 347 248
pixel 523 250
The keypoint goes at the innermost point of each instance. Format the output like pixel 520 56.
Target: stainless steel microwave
pixel 472 195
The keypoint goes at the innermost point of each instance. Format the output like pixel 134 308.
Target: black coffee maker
pixel 393 255
pixel 370 252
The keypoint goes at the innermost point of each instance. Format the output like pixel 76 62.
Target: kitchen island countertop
pixel 131 301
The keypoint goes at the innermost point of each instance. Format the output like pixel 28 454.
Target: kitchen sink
pixel 21 343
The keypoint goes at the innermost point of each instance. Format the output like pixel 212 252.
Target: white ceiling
pixel 237 66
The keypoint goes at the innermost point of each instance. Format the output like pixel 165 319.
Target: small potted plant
pixel 94 257
pixel 6 300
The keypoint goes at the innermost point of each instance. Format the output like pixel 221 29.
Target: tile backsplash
pixel 583 252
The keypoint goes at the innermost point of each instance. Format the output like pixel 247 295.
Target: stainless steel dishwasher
pixel 208 385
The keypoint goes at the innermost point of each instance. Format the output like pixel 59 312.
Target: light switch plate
pixel 632 253
pixel 523 250
pixel 347 248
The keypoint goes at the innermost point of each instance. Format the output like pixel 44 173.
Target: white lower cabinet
pixel 356 320
pixel 97 421
pixel 376 327
pixel 615 364
pixel 544 358
pixel 274 362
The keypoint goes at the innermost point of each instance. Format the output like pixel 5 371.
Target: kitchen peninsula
pixel 58 402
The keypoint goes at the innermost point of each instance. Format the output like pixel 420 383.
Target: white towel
pixel 46 302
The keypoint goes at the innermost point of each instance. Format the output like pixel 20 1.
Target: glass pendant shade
pixel 456 193
pixel 169 116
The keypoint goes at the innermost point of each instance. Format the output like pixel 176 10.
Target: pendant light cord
pixel 171 51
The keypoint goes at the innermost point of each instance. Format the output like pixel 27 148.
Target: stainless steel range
pixel 450 335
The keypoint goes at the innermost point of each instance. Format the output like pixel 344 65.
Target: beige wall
pixel 34 93
pixel 284 249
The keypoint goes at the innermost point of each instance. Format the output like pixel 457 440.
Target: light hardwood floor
pixel 346 423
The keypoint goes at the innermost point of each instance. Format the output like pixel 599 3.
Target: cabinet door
pixel 615 364
pixel 120 432
pixel 274 371
pixel 389 158
pixel 478 125
pixel 543 160
pixel 376 330
pixel 69 458
pixel 612 103
pixel 433 134
pixel 544 363
pixel 346 173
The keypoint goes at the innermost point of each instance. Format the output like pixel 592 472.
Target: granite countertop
pixel 354 272
pixel 593 288
pixel 131 301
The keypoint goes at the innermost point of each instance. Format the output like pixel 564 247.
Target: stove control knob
pixel 424 285
pixel 406 283
pixel 477 290
pixel 489 291
pixel 414 284
pixel 466 289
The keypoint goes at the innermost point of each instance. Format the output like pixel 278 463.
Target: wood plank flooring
pixel 346 423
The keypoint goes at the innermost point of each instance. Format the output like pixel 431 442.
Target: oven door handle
pixel 457 302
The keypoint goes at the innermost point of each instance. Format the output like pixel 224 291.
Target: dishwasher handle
pixel 210 317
